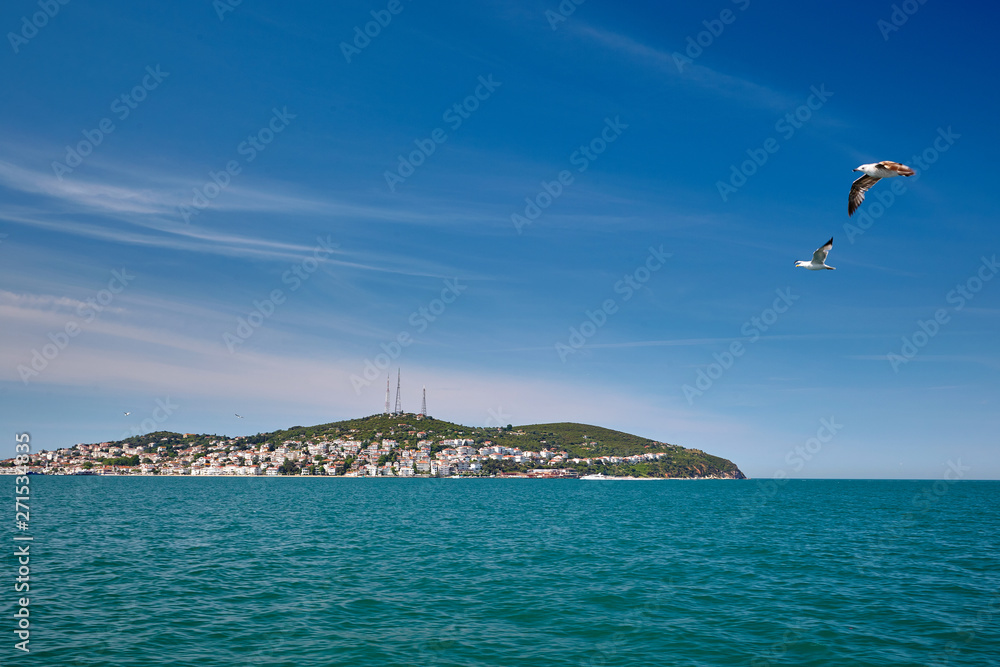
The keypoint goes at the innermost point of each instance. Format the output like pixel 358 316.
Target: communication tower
pixel 399 404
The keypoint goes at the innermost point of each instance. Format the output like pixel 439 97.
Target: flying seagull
pixel 872 174
pixel 818 262
pixel 127 414
pixel 238 415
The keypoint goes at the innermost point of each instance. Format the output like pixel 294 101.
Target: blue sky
pixel 244 175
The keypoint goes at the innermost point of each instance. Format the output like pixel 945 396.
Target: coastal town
pixel 384 457
pixel 385 445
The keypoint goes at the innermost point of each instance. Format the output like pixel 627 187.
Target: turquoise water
pixel 217 571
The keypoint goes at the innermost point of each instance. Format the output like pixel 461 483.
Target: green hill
pixel 584 440
pixel 587 441
pixel 578 440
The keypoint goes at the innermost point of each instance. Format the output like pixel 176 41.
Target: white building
pixel 441 468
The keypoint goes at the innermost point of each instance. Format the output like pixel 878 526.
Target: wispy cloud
pixel 94 195
pixel 722 84
pixel 21 302
pixel 698 342
pixel 988 362
pixel 149 211
pixel 283 382
pixel 126 188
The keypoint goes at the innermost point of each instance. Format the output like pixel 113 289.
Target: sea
pixel 351 571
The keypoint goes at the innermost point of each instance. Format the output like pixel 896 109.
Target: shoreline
pixel 588 478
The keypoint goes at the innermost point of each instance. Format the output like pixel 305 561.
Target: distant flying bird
pixel 818 262
pixel 127 414
pixel 238 415
pixel 872 174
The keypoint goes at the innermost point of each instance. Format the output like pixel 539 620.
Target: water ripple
pixel 215 571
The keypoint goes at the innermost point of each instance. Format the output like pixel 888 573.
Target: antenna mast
pixel 399 404
pixel 423 404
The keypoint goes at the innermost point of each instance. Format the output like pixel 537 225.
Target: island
pixel 392 445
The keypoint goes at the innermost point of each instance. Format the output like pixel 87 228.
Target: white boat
pixel 619 479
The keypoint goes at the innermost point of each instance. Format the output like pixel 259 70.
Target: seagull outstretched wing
pixel 858 190
pixel 819 257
